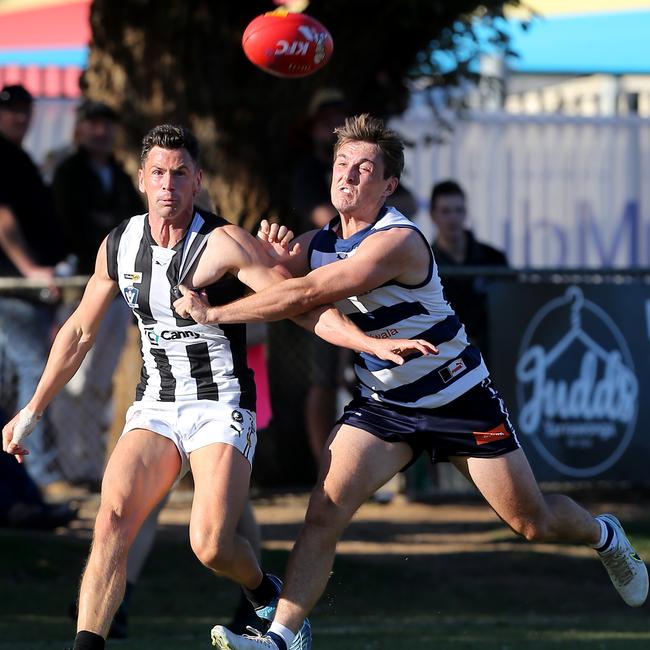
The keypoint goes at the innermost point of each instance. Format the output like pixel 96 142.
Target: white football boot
pixel 224 639
pixel 626 569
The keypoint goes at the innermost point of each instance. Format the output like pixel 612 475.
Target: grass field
pixel 409 576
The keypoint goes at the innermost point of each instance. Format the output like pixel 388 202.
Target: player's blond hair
pixel 366 128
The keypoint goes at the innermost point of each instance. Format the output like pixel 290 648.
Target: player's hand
pixel 193 304
pixel 46 275
pixel 396 350
pixel 276 240
pixel 18 428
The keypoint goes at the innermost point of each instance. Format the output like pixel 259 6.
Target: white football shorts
pixel 191 425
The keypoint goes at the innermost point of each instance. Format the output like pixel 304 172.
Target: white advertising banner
pixel 550 190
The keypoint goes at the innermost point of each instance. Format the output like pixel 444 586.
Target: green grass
pixel 456 601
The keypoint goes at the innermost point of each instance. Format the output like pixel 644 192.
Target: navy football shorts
pixel 475 424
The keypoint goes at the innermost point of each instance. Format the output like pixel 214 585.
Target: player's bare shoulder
pixel 224 251
pixel 403 248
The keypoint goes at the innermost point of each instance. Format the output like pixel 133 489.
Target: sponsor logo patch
pixel 131 296
pixel 485 437
pixel 134 277
pixel 238 419
pixel 170 335
pixel 452 370
pixel 385 334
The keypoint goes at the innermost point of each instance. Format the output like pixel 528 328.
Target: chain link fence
pixel 78 421
pixel 86 419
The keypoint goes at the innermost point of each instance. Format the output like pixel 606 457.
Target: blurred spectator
pixel 92 194
pixel 29 247
pixel 310 197
pixel 21 502
pixel 455 245
pixel 312 176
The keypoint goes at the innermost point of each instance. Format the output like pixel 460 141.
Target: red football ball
pixel 287 44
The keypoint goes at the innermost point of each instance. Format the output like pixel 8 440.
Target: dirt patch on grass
pixel 443 525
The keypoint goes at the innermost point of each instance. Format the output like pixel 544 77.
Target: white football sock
pixel 287 635
pixel 604 532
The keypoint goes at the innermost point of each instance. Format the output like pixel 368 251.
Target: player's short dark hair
pixel 445 188
pixel 365 128
pixel 170 136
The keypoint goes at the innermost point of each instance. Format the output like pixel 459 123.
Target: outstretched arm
pixel 326 322
pixel 70 346
pixel 397 254
pixel 332 326
pixel 240 254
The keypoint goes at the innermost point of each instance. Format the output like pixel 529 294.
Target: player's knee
pixel 326 517
pixel 113 521
pixel 532 529
pixel 212 551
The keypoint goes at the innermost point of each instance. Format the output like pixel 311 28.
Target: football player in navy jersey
pixel 379 270
pixel 195 405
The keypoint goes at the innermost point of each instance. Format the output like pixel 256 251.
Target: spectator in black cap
pixel 310 200
pixel 15 113
pixel 29 247
pixel 92 194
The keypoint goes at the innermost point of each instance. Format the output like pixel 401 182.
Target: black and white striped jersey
pixel 396 310
pixel 181 359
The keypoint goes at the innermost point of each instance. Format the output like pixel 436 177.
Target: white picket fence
pixel 551 190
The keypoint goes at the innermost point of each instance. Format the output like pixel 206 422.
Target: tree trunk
pixel 181 61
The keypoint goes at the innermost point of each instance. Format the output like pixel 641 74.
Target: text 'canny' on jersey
pixel 181 359
pixel 397 310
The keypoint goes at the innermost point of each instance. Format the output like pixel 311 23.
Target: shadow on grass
pixel 389 532
pixel 492 599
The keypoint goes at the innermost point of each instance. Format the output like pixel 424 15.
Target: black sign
pixel 573 364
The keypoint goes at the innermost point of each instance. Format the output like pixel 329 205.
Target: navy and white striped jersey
pixel 397 310
pixel 181 359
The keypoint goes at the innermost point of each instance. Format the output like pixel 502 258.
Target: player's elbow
pixel 86 340
pixel 76 338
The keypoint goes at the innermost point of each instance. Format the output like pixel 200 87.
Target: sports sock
pixel 88 641
pixel 279 631
pixel 278 640
pixel 607 537
pixel 263 594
